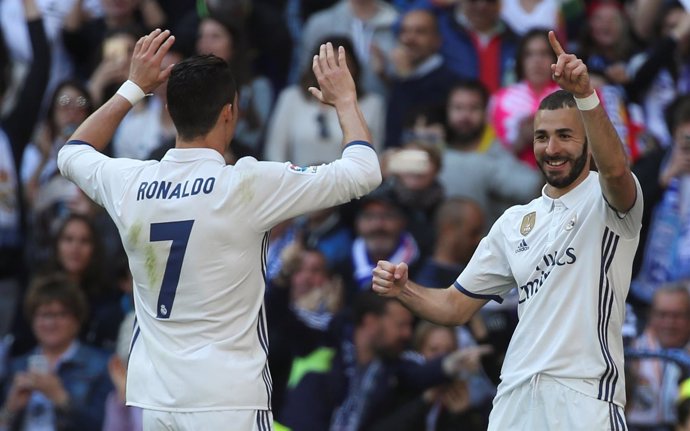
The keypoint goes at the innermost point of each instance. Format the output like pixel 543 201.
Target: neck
pixel 118 21
pixel 53 353
pixel 557 192
pixel 443 254
pixel 365 353
pixel 207 141
pixel 364 9
pixel 466 145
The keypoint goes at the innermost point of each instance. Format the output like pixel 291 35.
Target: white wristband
pixel 132 92
pixel 587 103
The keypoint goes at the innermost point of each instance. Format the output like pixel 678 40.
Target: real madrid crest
pixel 528 222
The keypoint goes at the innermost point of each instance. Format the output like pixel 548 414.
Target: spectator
pixel 84 36
pixel 461 404
pixel 62 384
pixel 328 232
pixel 512 108
pixel 475 164
pixel 667 250
pixel 113 68
pixel 420 76
pixel 355 382
pixel 476 43
pixel 15 131
pixel 381 234
pixel 524 16
pixel 656 382
pixel 370 25
pixel 306 132
pixel 148 126
pixel 226 41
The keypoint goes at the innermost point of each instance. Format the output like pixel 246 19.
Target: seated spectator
pixel 655 387
pixel 255 92
pixel 63 383
pixel 512 108
pixel 357 379
pixel 304 131
pixel 413 175
pixel 463 403
pixel 420 76
pixel 475 164
pixel 381 235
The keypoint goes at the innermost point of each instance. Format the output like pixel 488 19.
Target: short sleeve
pixel 488 275
pixel 627 224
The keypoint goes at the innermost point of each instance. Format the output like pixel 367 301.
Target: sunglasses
pixel 65 101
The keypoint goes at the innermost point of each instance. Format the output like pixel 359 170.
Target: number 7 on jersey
pixel 178 232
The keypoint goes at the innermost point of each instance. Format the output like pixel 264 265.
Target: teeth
pixel 556 163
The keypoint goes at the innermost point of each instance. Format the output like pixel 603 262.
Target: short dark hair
pixel 198 88
pixel 55 288
pixel 368 302
pixel 557 100
pixel 473 85
pixel 535 33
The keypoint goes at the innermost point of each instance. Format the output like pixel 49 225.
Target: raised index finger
pixel 555 44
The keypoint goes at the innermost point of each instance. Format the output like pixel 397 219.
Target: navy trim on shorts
pixel 78 142
pixel 477 295
pixel 365 143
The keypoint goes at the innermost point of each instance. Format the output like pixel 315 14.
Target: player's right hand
pixel 145 70
pixel 389 279
pixel 336 84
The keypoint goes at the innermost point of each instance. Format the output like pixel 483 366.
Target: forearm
pixel 611 160
pixel 435 305
pixel 352 122
pixel 98 129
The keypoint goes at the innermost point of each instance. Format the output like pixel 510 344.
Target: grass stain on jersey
pixel 245 189
pixel 134 234
pixel 150 264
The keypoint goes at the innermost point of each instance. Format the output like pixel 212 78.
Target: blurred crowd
pixel 449 89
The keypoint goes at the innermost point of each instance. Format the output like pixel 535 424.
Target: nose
pixel 553 147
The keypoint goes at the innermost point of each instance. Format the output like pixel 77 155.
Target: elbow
pixel 374 178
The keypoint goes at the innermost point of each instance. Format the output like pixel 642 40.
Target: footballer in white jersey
pixel 569 253
pixel 196 232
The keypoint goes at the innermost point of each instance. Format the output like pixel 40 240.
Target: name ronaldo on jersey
pixel 165 189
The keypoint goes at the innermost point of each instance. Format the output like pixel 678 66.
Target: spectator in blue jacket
pixel 62 384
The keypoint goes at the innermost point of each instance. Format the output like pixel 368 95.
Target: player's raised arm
pixel 617 181
pixel 337 88
pixel 447 306
pixel 145 75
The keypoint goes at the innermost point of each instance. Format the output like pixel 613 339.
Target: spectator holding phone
pixel 62 384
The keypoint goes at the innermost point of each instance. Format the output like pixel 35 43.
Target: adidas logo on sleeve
pixel 522 246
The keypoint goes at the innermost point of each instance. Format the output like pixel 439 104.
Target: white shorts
pixel 230 420
pixel 545 404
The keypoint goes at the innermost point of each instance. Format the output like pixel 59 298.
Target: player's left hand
pixel 569 72
pixel 145 70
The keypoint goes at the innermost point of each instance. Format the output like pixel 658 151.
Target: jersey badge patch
pixel 528 222
pixel 303 169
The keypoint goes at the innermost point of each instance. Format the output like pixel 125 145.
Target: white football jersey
pixel 570 259
pixel 196 234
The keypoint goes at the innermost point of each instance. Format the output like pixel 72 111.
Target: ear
pixel 227 110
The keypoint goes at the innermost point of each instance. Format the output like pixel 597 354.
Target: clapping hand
pixel 145 70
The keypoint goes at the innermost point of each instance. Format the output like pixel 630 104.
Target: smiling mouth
pixel 556 163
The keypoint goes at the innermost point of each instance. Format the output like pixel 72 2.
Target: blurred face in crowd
pixel 75 247
pixel 537 60
pixel 119 8
pixel 381 225
pixel 395 330
pixel 419 35
pixel 172 57
pixel 607 25
pixel 439 341
pixel 560 146
pixel 483 15
pixel 311 274
pixel 466 116
pixel 70 109
pixel 214 39
pixel 670 319
pixel 469 233
pixel 54 326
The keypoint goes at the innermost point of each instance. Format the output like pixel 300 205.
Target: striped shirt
pixel 571 260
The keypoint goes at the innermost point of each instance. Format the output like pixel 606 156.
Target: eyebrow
pixel 562 130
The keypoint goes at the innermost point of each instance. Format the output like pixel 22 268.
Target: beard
pixel 464 136
pixel 562 182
